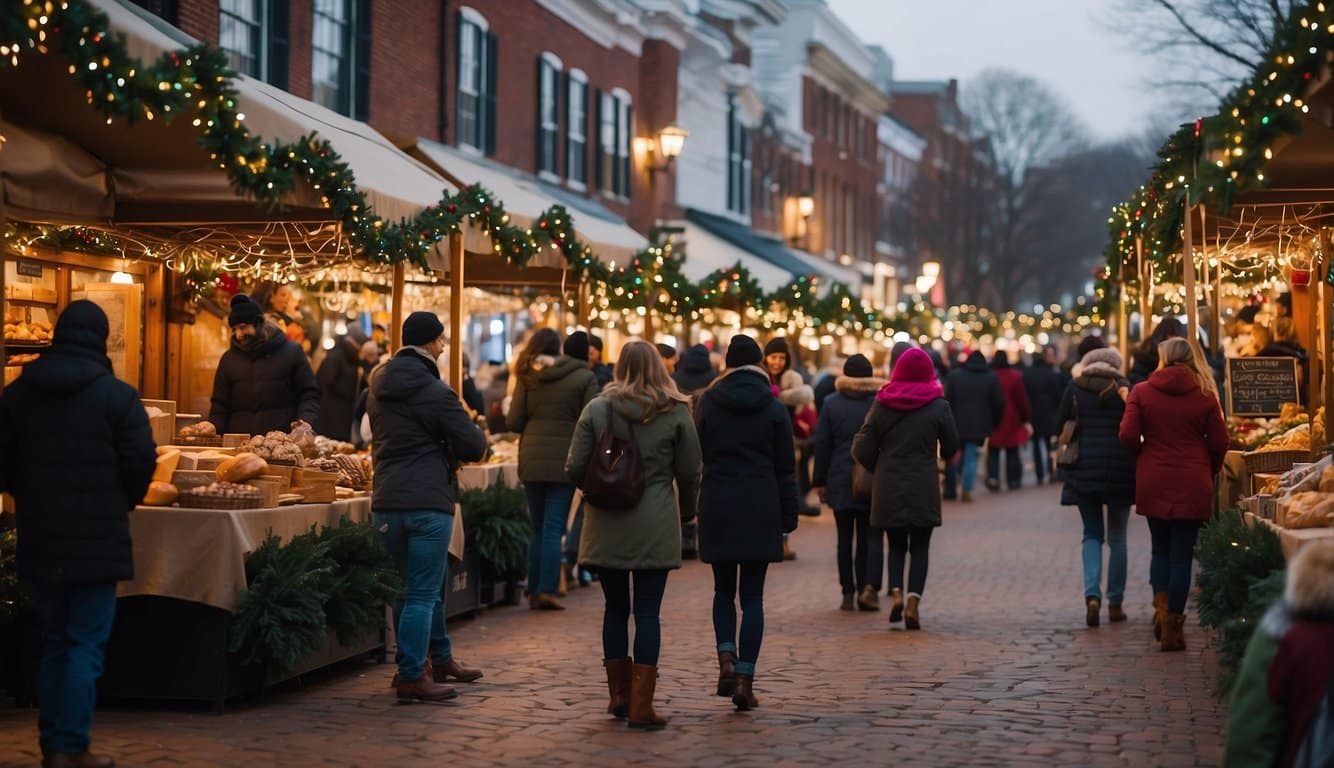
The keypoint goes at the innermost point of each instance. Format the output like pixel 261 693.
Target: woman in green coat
pixel 642 544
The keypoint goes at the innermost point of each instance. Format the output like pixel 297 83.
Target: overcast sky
pixel 1063 42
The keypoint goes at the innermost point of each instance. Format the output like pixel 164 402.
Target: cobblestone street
pixel 1003 673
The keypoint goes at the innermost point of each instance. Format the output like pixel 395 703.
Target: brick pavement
pixel 1004 673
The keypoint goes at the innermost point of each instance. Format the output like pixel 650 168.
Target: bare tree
pixel 1028 128
pixel 1203 48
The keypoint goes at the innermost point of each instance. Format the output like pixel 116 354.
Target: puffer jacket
pixel 1105 472
pixel 546 405
pixel 264 387
pixel 840 418
pixel 975 397
pixel 695 371
pixel 902 449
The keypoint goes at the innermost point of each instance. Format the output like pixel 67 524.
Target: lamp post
pixel 669 142
pixel 805 204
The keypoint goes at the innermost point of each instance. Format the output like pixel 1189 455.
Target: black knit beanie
pixel 422 328
pixel 858 367
pixel 576 346
pixel 245 311
pixel 742 350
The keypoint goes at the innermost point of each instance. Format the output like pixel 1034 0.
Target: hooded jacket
pixel 975 397
pixel 901 443
pixel 647 537
pixel 695 371
pixel 264 386
pixel 1287 668
pixel 546 405
pixel 840 418
pixel 1105 472
pixel 748 494
pixel 1179 440
pixel 340 384
pixel 420 434
pixel 77 454
pixel 1045 385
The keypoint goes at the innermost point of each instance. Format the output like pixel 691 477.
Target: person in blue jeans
pixel 1102 478
pixel 551 392
pixel 69 411
pixel 420 433
pixel 975 396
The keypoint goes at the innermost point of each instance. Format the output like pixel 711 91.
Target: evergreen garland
pixel 498 528
pixel 1232 556
pixel 281 618
pixel 1235 633
pixel 365 579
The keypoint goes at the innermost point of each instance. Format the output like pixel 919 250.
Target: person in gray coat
pixel 907 431
pixel 552 391
pixel 840 418
pixel 643 543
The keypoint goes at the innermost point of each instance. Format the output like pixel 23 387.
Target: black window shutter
pixel 542 160
pixel 596 140
pixel 279 42
pixel 561 103
pixel 489 88
pixel 361 90
pixel 458 81
pixel 564 119
pixel 624 162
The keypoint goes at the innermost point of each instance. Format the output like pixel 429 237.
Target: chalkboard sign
pixel 1259 386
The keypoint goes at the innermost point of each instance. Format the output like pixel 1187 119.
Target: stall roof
pixel 768 249
pixel 706 253
pixel 526 198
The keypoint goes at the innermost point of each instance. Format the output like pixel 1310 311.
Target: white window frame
pixel 738 161
pixel 347 63
pixel 576 133
pixel 548 119
pixel 473 85
pixel 262 38
pixel 624 132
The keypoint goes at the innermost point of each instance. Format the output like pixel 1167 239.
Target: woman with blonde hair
pixel 1174 426
pixel 639 545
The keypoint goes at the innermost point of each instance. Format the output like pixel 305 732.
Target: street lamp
pixel 931 269
pixel 670 141
pixel 806 205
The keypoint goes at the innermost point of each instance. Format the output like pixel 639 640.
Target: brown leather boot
pixel 451 670
pixel 910 618
pixel 423 689
pixel 849 603
pixel 788 554
pixel 548 603
pixel 726 673
pixel 1174 632
pixel 1115 613
pixel 619 674
pixel 1159 614
pixel 642 685
pixel 1092 609
pixel 895 605
pixel 869 600
pixel 77 760
pixel 744 696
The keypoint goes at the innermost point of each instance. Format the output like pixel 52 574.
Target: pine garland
pixel 498 527
pixel 1232 556
pixel 1235 633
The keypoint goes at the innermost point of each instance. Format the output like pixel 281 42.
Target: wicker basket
pixel 208 501
pixel 187 480
pixel 1274 461
pixel 206 442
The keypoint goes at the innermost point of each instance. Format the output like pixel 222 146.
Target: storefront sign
pixel 29 268
pixel 1259 386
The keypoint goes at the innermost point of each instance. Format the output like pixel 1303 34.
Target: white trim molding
pixel 474 16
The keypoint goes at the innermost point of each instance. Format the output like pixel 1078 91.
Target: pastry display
pixel 35 332
pixel 223 489
pixel 242 467
pixel 327 446
pixel 275 446
pixel 201 429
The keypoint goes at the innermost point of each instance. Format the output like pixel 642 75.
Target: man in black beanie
pixel 420 433
pixel 68 413
pixel 264 382
pixel 601 371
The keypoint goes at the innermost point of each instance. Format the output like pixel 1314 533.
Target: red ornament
pixel 228 284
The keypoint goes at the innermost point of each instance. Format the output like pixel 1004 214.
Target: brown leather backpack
pixel 614 478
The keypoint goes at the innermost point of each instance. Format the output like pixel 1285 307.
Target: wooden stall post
pixel 1122 320
pixel 456 300
pixel 1145 272
pixel 1188 276
pixel 396 310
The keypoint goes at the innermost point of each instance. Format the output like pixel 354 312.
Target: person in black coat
pixel 77 454
pixel 747 501
pixel 264 381
pixel 974 394
pixel 340 377
pixel 601 371
pixel 908 429
pixel 1145 359
pixel 841 417
pixel 1103 476
pixel 1045 384
pixel 695 371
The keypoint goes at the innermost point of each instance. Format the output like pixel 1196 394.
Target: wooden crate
pixel 317 487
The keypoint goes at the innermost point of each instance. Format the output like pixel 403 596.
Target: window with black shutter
pixel 241 35
pixel 615 129
pixel 738 161
pixel 332 55
pixel 576 128
pixel 279 44
pixel 476 76
pixel 548 115
pixel 361 61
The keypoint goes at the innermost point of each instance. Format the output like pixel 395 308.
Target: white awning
pixel 707 253
pixel 829 271
pixel 46 178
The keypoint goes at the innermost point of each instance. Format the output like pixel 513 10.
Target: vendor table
pixel 1292 539
pixel 476 477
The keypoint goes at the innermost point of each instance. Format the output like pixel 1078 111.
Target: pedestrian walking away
pixel 906 432
pixel 975 397
pixel 695 371
pixel 1103 477
pixel 420 434
pixel 840 418
pixel 634 549
pixel 552 390
pixel 1014 430
pixel 1045 384
pixel 68 412
pixel 1174 425
pixel 747 501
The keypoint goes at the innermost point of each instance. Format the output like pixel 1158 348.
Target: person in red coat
pixel 1014 430
pixel 1174 425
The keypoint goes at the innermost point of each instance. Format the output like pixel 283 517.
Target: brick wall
pixel 199 18
pixel 845 169
pixel 405 67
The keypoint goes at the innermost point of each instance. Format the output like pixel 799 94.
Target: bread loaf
pixel 161 494
pixel 167 461
pixel 241 468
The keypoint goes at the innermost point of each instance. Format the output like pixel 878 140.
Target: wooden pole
pixel 1122 321
pixel 1324 345
pixel 456 302
pixel 1188 276
pixel 1145 272
pixel 1216 301
pixel 396 308
pixel 1314 361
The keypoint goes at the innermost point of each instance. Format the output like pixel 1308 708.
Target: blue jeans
pixel 751 588
pixel 646 607
pixel 1114 533
pixel 549 508
pixel 419 544
pixel 76 622
pixel 1173 554
pixel 968 467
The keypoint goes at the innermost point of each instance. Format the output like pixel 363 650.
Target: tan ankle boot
pixel 895 605
pixel 744 696
pixel 726 673
pixel 1174 632
pixel 869 599
pixel 642 686
pixel 910 618
pixel 1159 614
pixel 619 674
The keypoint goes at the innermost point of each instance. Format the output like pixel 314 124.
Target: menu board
pixel 1259 386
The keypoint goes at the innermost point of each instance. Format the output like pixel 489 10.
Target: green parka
pixel 649 536
pixel 546 404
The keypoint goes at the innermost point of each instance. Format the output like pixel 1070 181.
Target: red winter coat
pixel 1179 438
pixel 1011 433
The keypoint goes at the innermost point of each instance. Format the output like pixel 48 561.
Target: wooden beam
pixel 1188 273
pixel 396 309
pixel 456 300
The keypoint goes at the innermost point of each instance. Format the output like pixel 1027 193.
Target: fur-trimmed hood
pixel 858 387
pixel 1310 584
